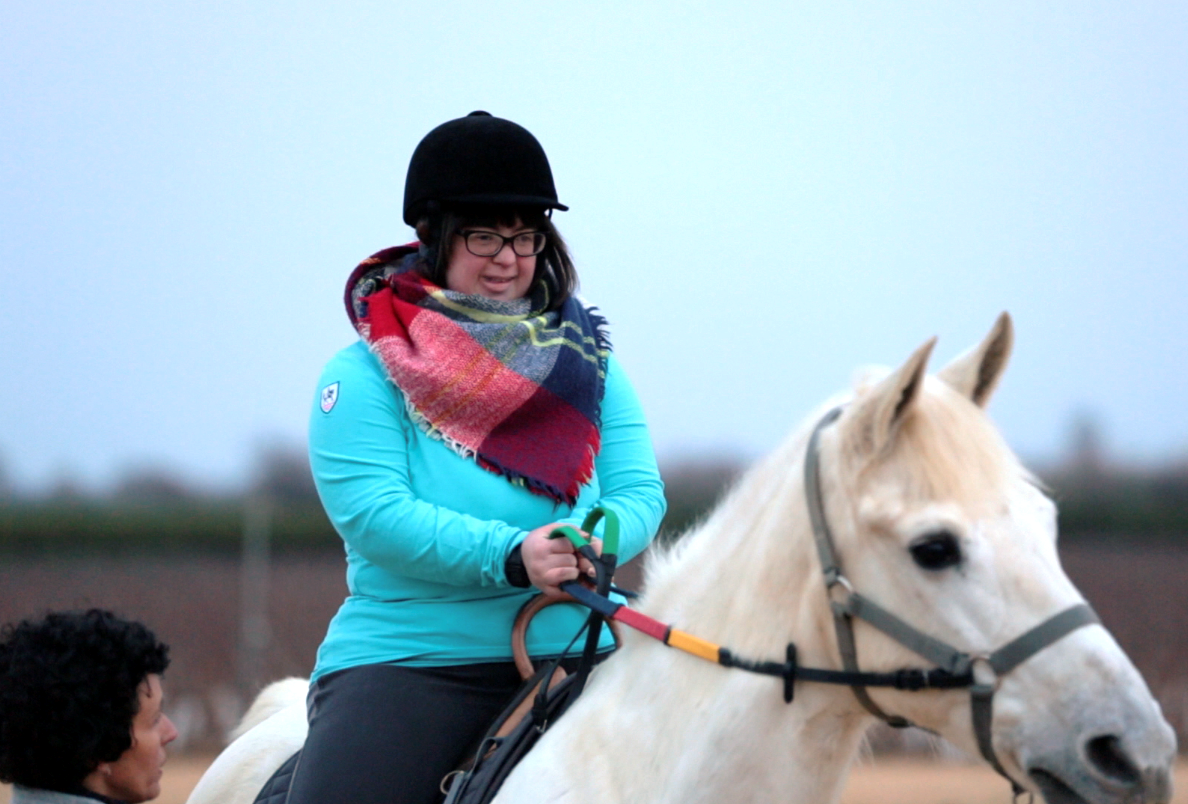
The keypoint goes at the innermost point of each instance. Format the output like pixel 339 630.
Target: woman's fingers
pixel 560 546
pixel 584 565
pixel 549 562
pixel 554 579
pixel 552 562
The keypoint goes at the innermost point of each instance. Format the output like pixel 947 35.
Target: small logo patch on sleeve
pixel 329 397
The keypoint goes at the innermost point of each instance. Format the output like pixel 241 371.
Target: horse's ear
pixel 878 412
pixel 975 373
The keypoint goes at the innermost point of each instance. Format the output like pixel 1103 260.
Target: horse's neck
pixel 748 580
pixel 662 726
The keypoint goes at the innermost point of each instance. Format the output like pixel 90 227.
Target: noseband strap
pixel 980 673
pixel 1006 659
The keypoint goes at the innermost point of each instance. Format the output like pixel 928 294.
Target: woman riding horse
pixel 891 558
pixel 480 409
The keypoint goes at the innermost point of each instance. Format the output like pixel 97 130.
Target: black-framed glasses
pixel 488 244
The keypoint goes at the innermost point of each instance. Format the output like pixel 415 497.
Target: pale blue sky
pixel 763 197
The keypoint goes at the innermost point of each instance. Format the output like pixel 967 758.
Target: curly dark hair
pixel 69 689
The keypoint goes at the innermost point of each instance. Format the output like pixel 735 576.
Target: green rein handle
pixel 610 533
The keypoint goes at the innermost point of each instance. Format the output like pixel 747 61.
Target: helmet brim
pixel 505 200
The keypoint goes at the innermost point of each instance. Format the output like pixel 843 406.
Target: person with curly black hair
pixel 80 709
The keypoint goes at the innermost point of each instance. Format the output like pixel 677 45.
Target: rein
pixel 955 669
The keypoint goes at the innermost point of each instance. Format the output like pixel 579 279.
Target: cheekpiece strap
pixel 831 567
pixel 816 501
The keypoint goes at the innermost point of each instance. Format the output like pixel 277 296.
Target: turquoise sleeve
pixel 359 458
pixel 407 507
pixel 628 477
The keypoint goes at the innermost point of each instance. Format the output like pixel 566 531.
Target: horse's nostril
pixel 1105 753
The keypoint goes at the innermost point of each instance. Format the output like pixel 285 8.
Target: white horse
pixel 934 519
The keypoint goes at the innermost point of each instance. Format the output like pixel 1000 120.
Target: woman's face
pixel 136 775
pixel 505 275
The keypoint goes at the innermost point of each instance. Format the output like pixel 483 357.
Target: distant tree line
pixel 150 511
pixel 1094 503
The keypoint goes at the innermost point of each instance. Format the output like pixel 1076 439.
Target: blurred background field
pixel 195 603
pixel 764 196
pixel 911 780
pixel 242 587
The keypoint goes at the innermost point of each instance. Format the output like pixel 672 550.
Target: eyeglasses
pixel 488 244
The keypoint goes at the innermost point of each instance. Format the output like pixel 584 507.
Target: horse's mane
pixel 766 479
pixel 945 449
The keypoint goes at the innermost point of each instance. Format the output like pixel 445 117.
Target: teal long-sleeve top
pixel 427 531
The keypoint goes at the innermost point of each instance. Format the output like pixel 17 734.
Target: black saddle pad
pixel 497 756
pixel 276 789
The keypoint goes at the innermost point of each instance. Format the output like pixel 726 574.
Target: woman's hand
pixel 552 562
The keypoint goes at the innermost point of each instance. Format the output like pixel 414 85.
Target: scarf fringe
pixel 557 495
pixel 418 419
pixel 560 476
pixel 601 327
pixel 569 496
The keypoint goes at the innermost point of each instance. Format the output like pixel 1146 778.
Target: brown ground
pixel 887 781
pixel 193 603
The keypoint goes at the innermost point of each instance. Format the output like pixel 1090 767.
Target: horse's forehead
pixel 1023 509
pixel 949 469
pixel 952 487
pixel 884 511
pixel 946 450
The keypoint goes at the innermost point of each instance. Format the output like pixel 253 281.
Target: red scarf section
pixel 516 388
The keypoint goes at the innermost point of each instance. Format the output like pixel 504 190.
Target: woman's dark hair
pixel 69 689
pixel 554 267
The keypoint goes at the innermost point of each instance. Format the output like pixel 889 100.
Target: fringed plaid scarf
pixel 504 382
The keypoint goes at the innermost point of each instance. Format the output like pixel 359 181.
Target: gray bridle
pixel 984 671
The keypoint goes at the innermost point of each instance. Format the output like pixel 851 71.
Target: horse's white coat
pixel 276 696
pixel 272 731
pixel 911 455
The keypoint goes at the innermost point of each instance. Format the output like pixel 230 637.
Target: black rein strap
pixel 954 669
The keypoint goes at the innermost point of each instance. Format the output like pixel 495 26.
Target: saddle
pixel 536 705
pixel 276 789
pixel 545 695
pixel 512 734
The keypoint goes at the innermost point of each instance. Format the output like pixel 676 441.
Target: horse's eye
pixel 937 550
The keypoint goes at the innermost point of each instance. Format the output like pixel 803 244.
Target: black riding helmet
pixel 478 159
